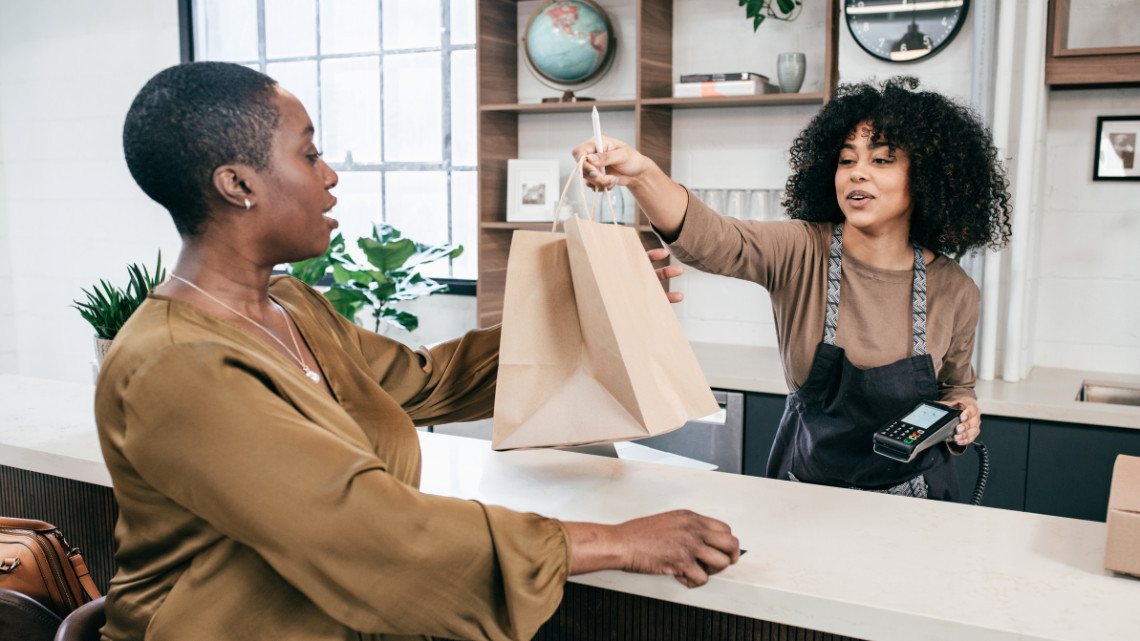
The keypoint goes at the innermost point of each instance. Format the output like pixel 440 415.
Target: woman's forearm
pixel 662 200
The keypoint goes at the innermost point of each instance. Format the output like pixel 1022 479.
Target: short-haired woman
pixel 263 449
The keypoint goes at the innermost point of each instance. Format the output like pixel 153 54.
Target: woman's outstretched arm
pixel 663 200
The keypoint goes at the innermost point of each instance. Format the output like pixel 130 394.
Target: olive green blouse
pixel 253 505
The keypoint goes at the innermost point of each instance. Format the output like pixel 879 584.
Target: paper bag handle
pixel 581 185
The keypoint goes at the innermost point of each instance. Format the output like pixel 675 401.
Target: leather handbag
pixel 36 560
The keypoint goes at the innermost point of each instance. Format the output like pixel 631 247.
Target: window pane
pixel 290 28
pixel 358 205
pixel 410 24
pixel 462 22
pixel 350 26
pixel 300 79
pixel 350 100
pixel 416 204
pixel 230 30
pixel 464 223
pixel 413 114
pixel 463 122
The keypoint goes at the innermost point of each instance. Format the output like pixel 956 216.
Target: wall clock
pixel 902 31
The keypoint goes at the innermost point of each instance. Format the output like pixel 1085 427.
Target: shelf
pixel 737 101
pixel 514 226
pixel 546 226
pixel 770 99
pixel 562 107
pixel 651 105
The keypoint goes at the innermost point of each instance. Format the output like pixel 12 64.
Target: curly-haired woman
pixel 888 184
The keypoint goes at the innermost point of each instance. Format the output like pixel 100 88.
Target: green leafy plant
pixel 392 275
pixel 108 307
pixel 759 10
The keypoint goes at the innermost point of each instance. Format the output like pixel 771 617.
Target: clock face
pixel 902 31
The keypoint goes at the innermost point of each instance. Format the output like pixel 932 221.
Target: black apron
pixel 825 435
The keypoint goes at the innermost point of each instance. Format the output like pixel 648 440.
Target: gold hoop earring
pixel 247 205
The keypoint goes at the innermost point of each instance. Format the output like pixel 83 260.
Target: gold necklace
pixel 313 376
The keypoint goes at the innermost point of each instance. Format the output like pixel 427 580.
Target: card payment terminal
pixel 923 426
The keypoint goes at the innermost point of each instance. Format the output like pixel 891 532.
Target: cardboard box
pixel 1122 550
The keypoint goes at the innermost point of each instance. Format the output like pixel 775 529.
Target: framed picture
pixel 1116 139
pixel 532 190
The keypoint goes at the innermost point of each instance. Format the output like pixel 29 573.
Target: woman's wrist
pixel 594 546
pixel 663 201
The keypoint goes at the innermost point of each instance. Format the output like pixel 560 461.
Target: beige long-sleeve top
pixel 789 259
pixel 252 505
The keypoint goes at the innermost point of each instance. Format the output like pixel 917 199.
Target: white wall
pixel 1088 292
pixel 72 214
pixel 8 362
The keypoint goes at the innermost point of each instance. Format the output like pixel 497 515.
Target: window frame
pixel 456 286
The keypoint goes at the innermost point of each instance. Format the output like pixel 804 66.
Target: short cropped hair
pixel 957 180
pixel 187 121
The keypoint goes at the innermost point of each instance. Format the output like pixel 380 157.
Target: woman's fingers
pixel 616 165
pixel 667 272
pixel 681 543
pixel 670 271
pixel 970 422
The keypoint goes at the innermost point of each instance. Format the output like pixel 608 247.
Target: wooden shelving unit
pixel 653 106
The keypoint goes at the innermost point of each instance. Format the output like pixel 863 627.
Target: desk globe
pixel 569 45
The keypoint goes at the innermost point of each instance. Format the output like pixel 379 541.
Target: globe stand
pixel 568 96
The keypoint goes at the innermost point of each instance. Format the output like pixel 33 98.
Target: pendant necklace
pixel 296 355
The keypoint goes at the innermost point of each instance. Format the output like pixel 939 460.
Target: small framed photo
pixel 1116 139
pixel 532 190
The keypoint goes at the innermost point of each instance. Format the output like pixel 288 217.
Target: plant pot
pixel 102 346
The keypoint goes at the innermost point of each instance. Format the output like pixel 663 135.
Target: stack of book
pixel 704 85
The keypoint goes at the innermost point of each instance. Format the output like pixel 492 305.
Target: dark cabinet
pixel 762 414
pixel 1007 441
pixel 1060 469
pixel 1070 467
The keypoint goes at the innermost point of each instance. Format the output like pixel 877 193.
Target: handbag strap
pixel 582 186
pixel 25 524
pixel 84 575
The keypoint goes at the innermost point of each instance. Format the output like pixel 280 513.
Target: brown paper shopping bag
pixel 591 351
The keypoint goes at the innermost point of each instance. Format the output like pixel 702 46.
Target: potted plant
pixel 759 10
pixel 108 307
pixel 391 276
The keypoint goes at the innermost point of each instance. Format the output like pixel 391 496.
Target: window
pixel 390 86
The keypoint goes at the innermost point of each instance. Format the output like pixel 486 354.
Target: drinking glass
pixel 737 199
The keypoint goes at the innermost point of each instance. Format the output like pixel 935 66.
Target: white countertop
pixel 825 558
pixel 49 427
pixel 818 557
pixel 1046 394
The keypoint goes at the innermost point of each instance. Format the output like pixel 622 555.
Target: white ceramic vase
pixel 790 71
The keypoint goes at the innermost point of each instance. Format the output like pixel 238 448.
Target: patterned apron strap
pixel 918 301
pixel 835 274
